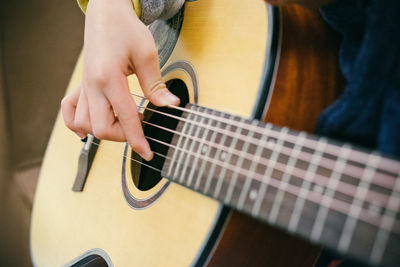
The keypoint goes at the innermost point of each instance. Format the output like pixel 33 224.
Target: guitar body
pixel 277 66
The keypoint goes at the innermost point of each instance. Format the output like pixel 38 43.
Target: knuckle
pixel 127 118
pixel 70 125
pixel 157 92
pixel 64 101
pixel 101 133
pixel 157 87
pixel 138 148
pixel 154 90
pixel 99 77
pixel 81 125
pixel 149 54
pixel 69 122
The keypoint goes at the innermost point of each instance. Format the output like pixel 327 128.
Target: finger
pixel 141 116
pixel 104 124
pixel 68 108
pixel 82 117
pixel 147 69
pixel 126 110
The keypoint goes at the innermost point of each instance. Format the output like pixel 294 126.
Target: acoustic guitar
pixel 230 184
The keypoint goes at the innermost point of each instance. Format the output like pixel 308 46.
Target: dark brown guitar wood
pixel 308 80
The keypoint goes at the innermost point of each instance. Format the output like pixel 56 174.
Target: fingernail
pixel 81 135
pixel 171 99
pixel 141 116
pixel 147 156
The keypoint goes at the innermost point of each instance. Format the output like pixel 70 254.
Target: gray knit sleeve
pixel 159 9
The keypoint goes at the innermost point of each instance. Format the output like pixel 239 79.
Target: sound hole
pixel 91 261
pixel 144 177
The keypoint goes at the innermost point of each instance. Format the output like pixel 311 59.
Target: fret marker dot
pixel 223 155
pixel 253 194
pixel 318 189
pixel 271 143
pixel 204 149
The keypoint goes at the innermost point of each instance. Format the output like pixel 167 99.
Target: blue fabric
pixel 368 112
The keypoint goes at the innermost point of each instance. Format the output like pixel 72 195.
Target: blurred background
pixel 40 42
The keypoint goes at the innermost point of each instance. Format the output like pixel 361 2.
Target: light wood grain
pixel 225 41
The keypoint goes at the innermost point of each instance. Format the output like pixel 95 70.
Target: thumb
pixel 147 69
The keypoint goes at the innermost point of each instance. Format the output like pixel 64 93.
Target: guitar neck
pixel 332 194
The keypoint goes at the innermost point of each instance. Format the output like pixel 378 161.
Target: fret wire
pixel 345 188
pixel 362 189
pixel 310 143
pixel 252 169
pixel 380 247
pixel 388 222
pixel 305 187
pixel 192 145
pixel 286 178
pixel 196 157
pixel 226 163
pixel 176 151
pixel 216 156
pixel 381 179
pixel 186 144
pixel 181 155
pixel 327 198
pixel 269 170
pixel 341 206
pixel 237 167
pixel 387 164
pixel 204 163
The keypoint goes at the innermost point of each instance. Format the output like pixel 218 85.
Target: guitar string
pixel 311 143
pixel 337 190
pixel 348 187
pixel 388 165
pixel 258 176
pixel 344 188
pixel 324 180
pixel 335 205
pixel 381 179
pixel 345 203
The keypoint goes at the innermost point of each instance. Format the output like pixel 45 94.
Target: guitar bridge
pixel 85 161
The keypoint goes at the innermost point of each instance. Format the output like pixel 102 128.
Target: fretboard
pixel 329 193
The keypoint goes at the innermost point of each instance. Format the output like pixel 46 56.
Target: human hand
pixel 116 45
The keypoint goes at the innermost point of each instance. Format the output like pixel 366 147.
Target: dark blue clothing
pixel 368 112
